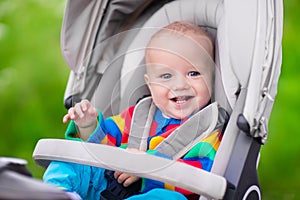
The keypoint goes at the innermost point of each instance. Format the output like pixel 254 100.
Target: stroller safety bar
pixel 145 165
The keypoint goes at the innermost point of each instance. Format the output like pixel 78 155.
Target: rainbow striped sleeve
pixel 112 131
pixel 117 128
pixel 72 132
pixel 203 154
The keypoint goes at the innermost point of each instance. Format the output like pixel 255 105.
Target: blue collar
pixel 162 121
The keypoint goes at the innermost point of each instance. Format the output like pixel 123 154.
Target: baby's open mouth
pixel 181 99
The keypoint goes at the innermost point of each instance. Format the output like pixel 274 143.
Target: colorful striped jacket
pixel 115 131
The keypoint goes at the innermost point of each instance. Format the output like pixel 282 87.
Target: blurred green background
pixel 33 77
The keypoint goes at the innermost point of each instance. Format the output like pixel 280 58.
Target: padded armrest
pixel 136 163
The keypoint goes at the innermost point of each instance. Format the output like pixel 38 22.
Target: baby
pixel 179 75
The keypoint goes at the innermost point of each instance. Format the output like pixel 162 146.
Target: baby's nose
pixel 180 83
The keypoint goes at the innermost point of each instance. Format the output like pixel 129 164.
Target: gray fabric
pixel 79 30
pixel 263 81
pixel 107 95
pixel 140 124
pixel 110 62
pixel 229 138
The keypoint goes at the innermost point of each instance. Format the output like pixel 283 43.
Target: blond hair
pixel 187 29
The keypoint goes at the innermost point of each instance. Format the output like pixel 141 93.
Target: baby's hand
pixel 125 179
pixel 84 114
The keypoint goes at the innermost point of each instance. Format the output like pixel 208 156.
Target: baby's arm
pixel 84 115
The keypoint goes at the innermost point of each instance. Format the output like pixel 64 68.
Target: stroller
pixel 102 42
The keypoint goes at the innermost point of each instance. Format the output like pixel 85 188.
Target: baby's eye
pixel 166 76
pixel 194 73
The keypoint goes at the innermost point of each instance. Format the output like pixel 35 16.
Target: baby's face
pixel 178 89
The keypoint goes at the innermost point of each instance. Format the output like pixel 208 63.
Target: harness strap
pixel 141 124
pixel 183 138
pixel 190 133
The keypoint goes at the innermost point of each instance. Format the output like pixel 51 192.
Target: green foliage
pixel 33 77
pixel 278 170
